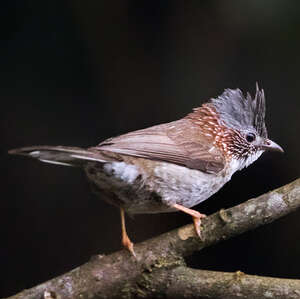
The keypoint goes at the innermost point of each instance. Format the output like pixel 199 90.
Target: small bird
pixel 173 166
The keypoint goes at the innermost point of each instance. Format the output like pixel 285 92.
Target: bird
pixel 172 166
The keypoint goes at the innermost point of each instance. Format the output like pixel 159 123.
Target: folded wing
pixel 180 142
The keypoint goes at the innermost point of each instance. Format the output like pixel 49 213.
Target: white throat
pixel 238 164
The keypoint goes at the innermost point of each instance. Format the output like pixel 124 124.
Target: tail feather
pixel 62 155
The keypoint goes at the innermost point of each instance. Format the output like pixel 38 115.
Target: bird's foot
pixel 125 239
pixel 197 223
pixel 128 245
pixel 196 217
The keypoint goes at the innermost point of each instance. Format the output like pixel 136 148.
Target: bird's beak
pixel 269 145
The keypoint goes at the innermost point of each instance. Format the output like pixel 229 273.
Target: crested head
pixel 236 124
pixel 241 112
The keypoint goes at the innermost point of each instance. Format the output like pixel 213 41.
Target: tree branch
pixel 183 282
pixel 116 275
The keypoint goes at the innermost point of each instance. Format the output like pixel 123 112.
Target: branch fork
pixel 159 268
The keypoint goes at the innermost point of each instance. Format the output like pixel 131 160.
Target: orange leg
pixel 196 217
pixel 125 239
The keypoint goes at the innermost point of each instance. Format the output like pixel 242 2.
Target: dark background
pixel 77 72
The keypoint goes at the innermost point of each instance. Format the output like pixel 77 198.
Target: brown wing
pixel 179 142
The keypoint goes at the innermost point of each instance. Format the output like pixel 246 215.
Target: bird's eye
pixel 250 137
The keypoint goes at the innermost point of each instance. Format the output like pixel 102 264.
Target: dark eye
pixel 250 137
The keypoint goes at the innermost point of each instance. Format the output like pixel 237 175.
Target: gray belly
pixel 128 186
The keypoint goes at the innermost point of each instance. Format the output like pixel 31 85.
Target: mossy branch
pixel 120 275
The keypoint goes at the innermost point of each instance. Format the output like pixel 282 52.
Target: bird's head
pixel 237 125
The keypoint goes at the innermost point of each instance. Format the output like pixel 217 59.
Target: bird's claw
pixel 129 246
pixel 197 224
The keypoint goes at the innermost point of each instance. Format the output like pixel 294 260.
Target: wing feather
pixel 171 143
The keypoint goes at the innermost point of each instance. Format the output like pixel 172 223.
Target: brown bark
pixel 183 282
pixel 120 275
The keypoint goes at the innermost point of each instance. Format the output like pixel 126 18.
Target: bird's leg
pixel 125 239
pixel 196 217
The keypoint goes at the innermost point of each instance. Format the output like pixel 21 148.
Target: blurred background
pixel 77 72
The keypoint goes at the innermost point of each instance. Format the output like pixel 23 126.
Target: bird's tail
pixel 62 155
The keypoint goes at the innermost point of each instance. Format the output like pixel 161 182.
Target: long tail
pixel 62 155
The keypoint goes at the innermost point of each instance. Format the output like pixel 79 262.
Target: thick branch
pixel 183 282
pixel 108 276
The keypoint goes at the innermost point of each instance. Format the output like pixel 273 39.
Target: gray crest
pixel 240 112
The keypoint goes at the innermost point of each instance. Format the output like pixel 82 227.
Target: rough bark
pixel 116 275
pixel 183 282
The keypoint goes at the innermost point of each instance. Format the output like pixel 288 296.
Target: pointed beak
pixel 270 145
